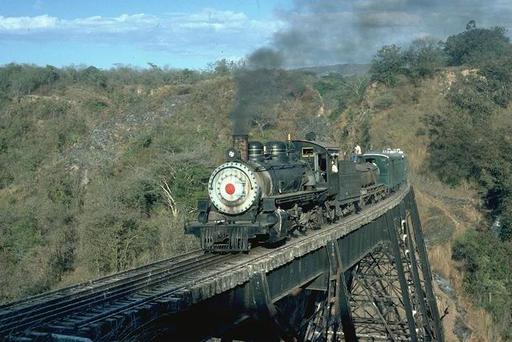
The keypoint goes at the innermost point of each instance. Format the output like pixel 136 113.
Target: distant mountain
pixel 344 69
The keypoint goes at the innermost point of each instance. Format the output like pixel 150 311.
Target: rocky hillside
pixel 86 169
pixel 448 105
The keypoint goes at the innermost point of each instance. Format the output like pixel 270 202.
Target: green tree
pixel 387 64
pixel 497 79
pixel 475 46
pixel 471 139
pixel 93 76
pixel 424 58
pixel 487 265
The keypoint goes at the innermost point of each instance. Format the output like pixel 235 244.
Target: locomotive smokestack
pixel 240 143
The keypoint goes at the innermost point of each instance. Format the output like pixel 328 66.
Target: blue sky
pixel 188 33
pixel 194 33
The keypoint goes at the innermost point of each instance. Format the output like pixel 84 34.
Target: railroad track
pixel 64 307
pixel 81 309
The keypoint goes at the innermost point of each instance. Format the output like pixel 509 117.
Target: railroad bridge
pixel 364 278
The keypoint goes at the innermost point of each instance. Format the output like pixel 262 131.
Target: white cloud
pixel 105 25
pixel 99 24
pixel 22 24
pixel 206 19
pixel 208 32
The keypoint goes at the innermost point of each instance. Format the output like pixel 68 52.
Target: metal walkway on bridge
pixel 364 278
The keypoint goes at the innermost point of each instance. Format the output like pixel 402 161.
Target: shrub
pixel 497 78
pixel 476 46
pixel 487 263
pixel 387 64
pixel 93 76
pixel 424 58
pixel 17 80
pixel 384 101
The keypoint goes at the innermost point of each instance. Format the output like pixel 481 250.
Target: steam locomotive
pixel 265 193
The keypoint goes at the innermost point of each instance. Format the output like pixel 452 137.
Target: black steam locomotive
pixel 265 193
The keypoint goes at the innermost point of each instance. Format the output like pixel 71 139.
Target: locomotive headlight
pixel 233 188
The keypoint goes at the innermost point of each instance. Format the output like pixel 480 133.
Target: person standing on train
pixel 357 150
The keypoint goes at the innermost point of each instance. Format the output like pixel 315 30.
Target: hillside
pixel 446 212
pixel 85 166
pixel 82 170
pixel 100 169
pixel 448 104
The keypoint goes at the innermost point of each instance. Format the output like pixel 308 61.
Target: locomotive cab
pixel 323 160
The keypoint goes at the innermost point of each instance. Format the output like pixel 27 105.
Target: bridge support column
pixel 405 285
pixel 432 319
pixel 339 295
pixel 267 321
pixel 389 296
pixel 259 300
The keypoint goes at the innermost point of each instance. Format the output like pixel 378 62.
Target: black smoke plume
pixel 261 85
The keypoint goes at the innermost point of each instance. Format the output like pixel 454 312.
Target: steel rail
pixel 90 284
pixel 117 309
pixel 144 277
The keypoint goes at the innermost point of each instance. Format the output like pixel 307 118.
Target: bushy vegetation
pixel 339 92
pixel 388 63
pixel 476 46
pixel 99 168
pixel 486 262
pixel 423 58
pixel 470 141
